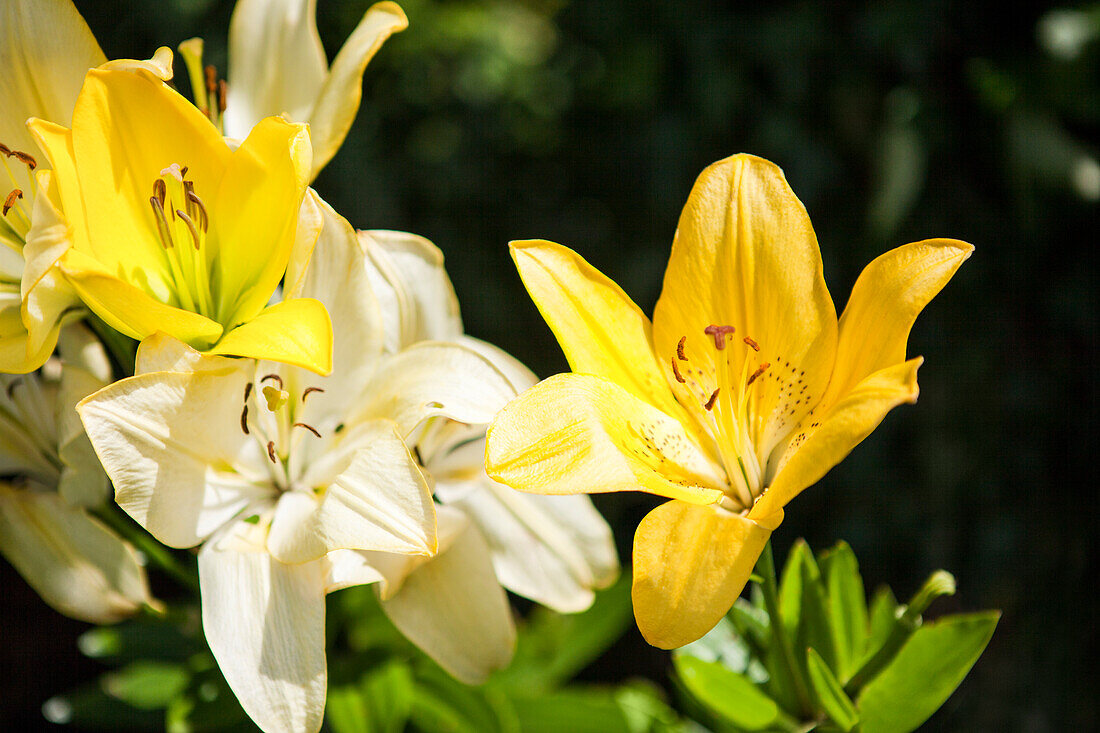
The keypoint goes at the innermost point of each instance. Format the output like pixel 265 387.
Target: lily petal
pixel 578 433
pixel 431 379
pixel 338 100
pixel 173 446
pixel 276 62
pixel 453 608
pixel 599 327
pixel 745 255
pixel 378 501
pixel 295 331
pixel 255 216
pixel 265 623
pixel 46 49
pixel 690 565
pixel 130 310
pixel 77 565
pixel 885 302
pixel 417 298
pixel 554 550
pixel 85 369
pixel 843 426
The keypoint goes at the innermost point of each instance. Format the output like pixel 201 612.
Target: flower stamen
pixel 680 348
pixel 9 202
pixel 709 405
pixel 676 372
pixel 752 344
pixel 308 391
pixel 760 370
pixel 310 428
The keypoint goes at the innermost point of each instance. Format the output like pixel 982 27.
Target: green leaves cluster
pixel 830 662
pixel 162 677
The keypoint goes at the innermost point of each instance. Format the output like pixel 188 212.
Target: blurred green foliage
pixel 895 120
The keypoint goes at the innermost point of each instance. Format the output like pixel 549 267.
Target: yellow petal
pixel 690 564
pixel 296 331
pixel 577 433
pixel 126 129
pixel 255 216
pixel 599 327
pixel 45 50
pixel 15 355
pixel 812 453
pixel 338 100
pixel 46 295
pixel 130 310
pixel 159 66
pixel 745 255
pixel 886 300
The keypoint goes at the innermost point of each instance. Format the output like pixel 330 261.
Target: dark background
pixel 586 123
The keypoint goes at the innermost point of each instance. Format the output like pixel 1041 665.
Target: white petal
pixel 338 100
pixel 552 549
pixel 276 63
pixel 45 50
pixel 85 369
pixel 173 446
pixel 418 299
pixel 76 564
pixel 379 500
pixel 337 274
pixel 265 623
pixel 453 608
pixel 435 379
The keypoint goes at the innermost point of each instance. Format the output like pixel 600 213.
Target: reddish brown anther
pixel 713 398
pixel 247 391
pixel 676 371
pixel 310 428
pixel 223 92
pixel 271 451
pixel 719 333
pixel 11 199
pixel 211 78
pixel 24 158
pixel 244 417
pixel 760 370
pixel 752 344
pixel 274 378
pixel 680 349
pixel 5 150
pixel 310 390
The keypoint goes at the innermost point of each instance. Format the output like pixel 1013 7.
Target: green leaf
pixel 583 711
pixel 208 705
pixel 830 693
pixel 726 694
pixel 440 703
pixel 847 606
pixel 382 701
pixel 146 684
pixel 88 708
pixel 645 709
pixel 551 647
pixel 927 669
pixel 884 616
pixel 176 640
pixel 803 592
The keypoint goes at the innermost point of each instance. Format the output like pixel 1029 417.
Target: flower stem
pixel 157 553
pixel 765 567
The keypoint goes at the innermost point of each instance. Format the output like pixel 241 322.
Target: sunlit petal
pixel 690 564
pixel 295 331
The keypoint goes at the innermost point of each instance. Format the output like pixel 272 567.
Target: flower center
pixel 181 222
pixel 16 207
pixel 749 399
pixel 270 414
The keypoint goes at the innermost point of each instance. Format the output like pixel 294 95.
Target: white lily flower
pixel 45 51
pixel 552 551
pixel 273 469
pixel 75 563
pixel 277 66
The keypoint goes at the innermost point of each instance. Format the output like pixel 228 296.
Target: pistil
pixel 182 221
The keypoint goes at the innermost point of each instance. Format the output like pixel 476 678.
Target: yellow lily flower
pixel 170 230
pixel 742 392
pixel 45 52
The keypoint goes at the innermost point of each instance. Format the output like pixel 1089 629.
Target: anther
pixel 308 391
pixel 211 78
pixel 160 191
pixel 752 344
pixel 11 199
pixel 273 377
pixel 162 223
pixel 223 91
pixel 310 428
pixel 713 397
pixel 24 158
pixel 5 150
pixel 676 371
pixel 244 420
pixel 719 333
pixel 680 349
pixel 760 370
pixel 247 391
pixel 271 451
pixel 190 227
pixel 193 200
